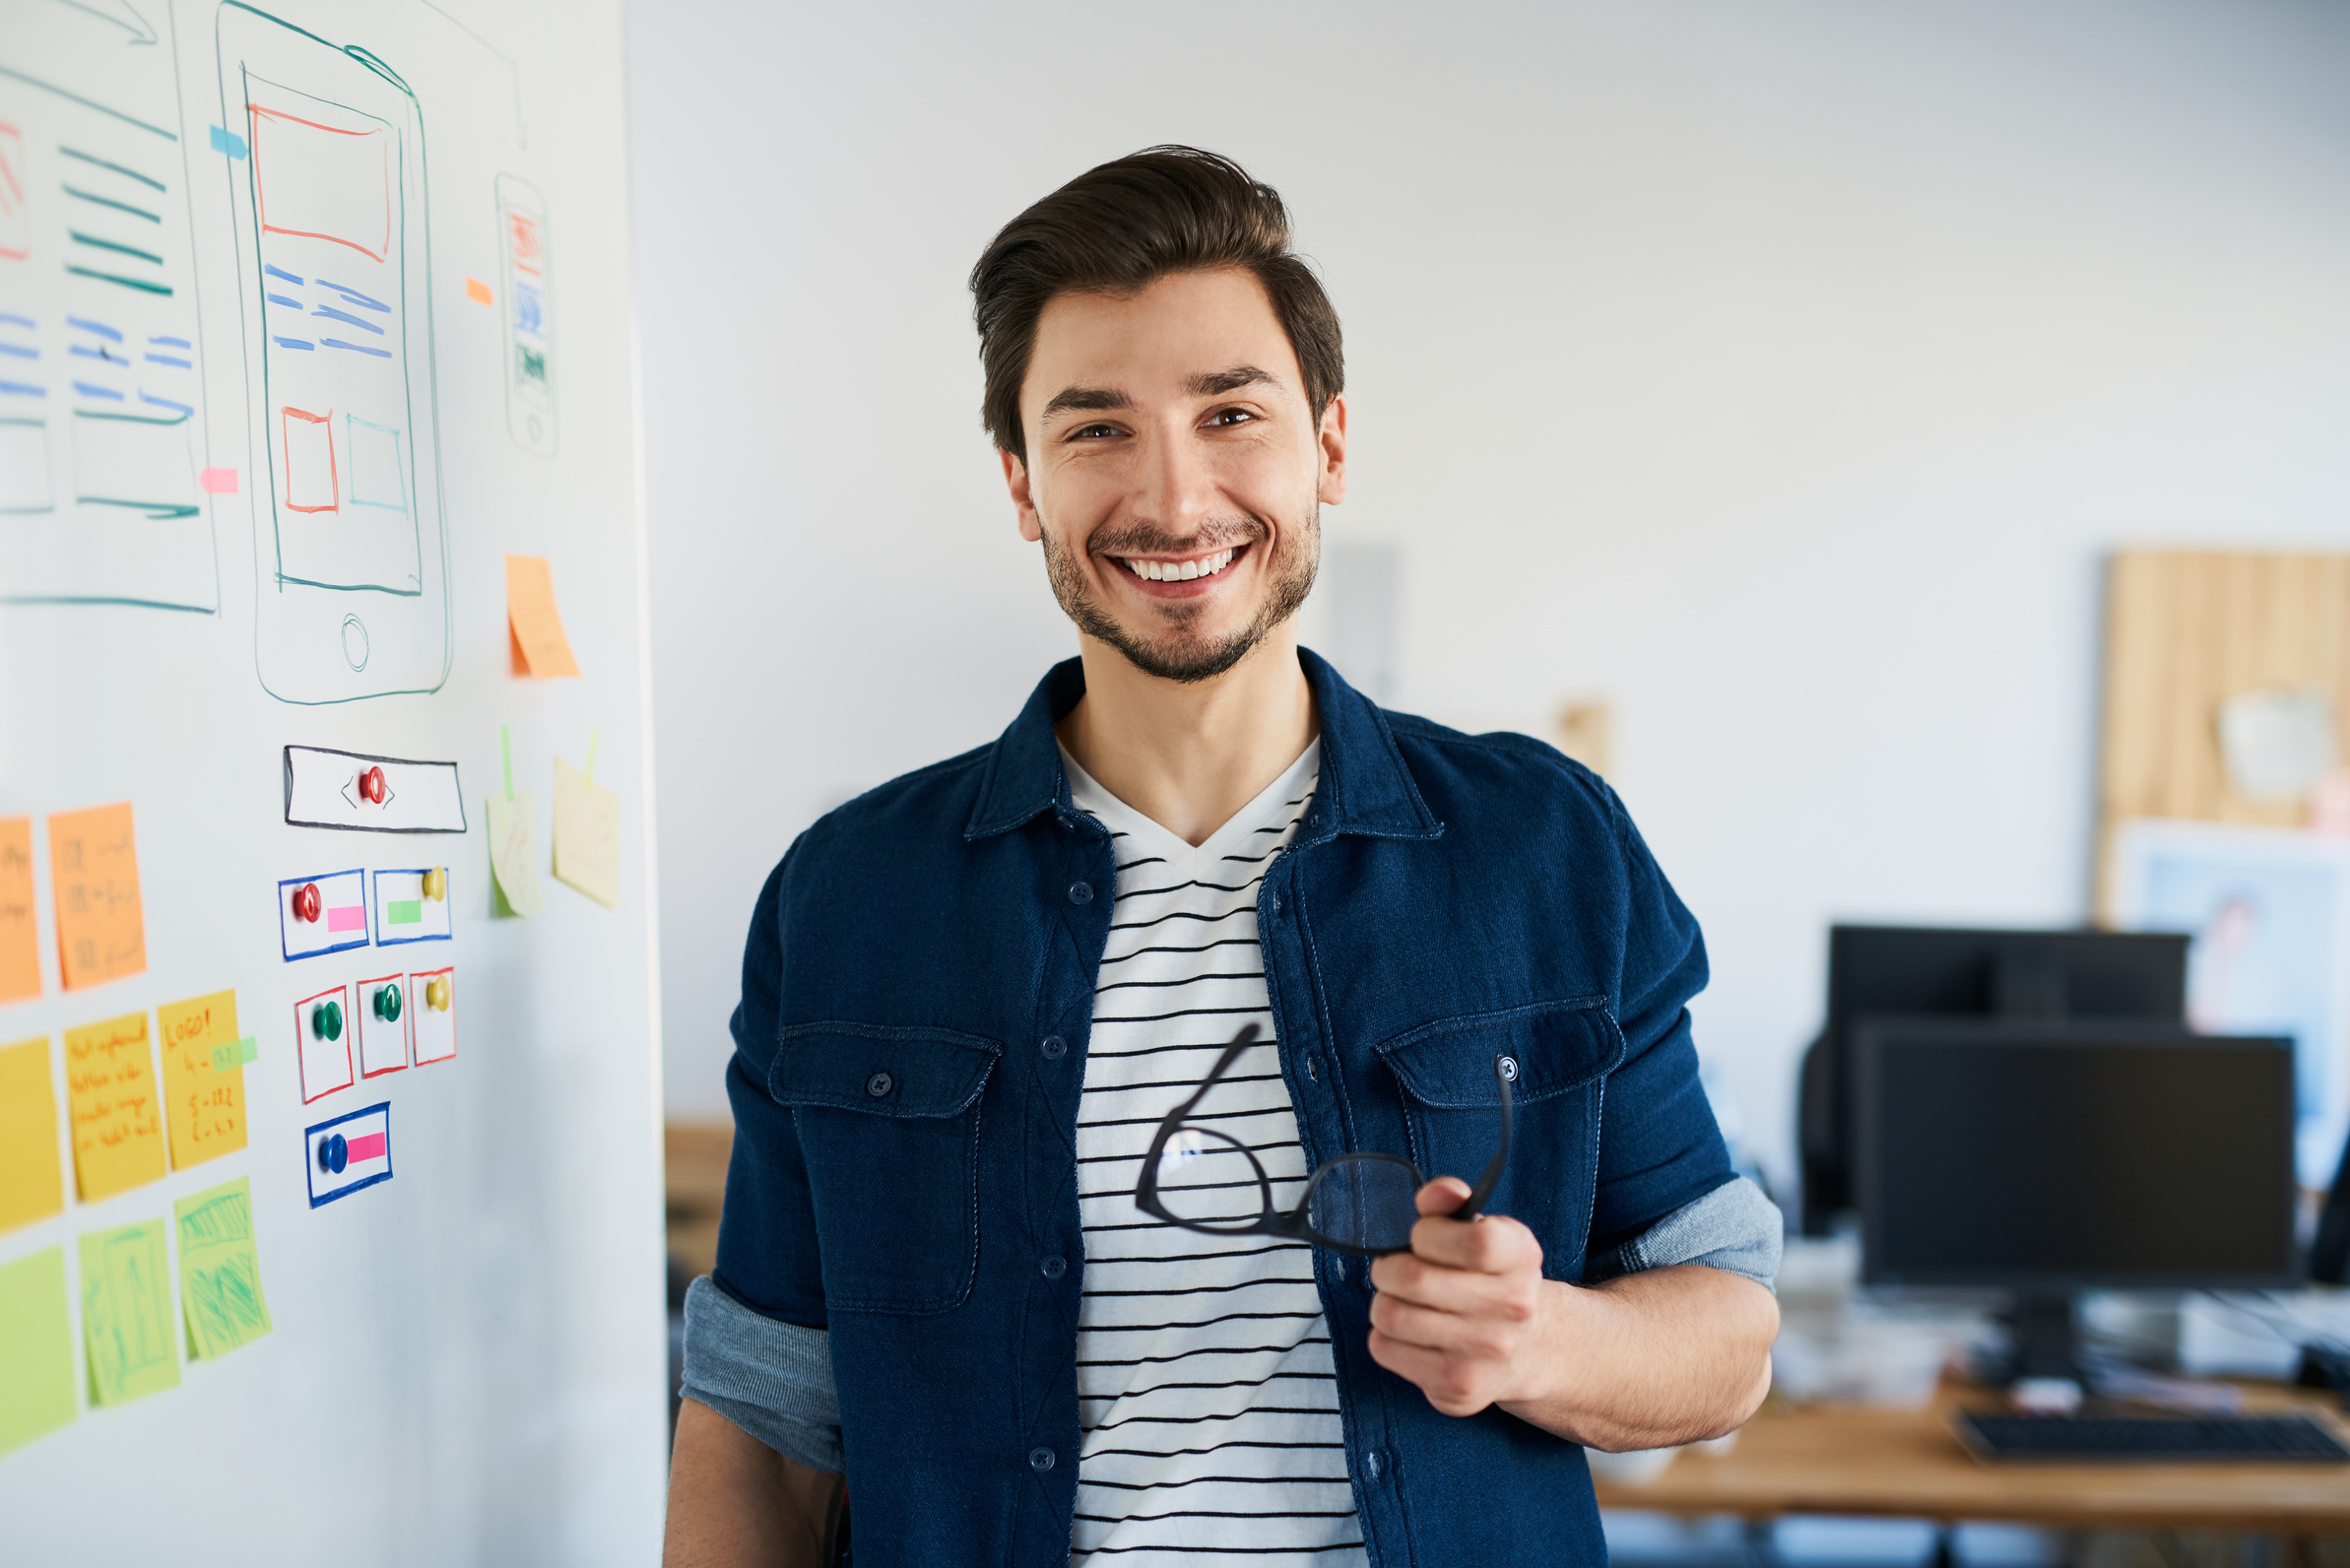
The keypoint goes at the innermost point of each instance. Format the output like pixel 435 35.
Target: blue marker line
pixel 281 299
pixel 332 314
pixel 356 347
pixel 228 142
pixel 164 403
pixel 279 272
pixel 165 359
pixel 89 391
pixel 172 343
pixel 14 320
pixel 20 350
pixel 290 343
pixel 83 350
pixel 354 296
pixel 20 389
pixel 98 327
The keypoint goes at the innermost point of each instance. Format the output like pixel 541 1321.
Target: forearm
pixel 734 1502
pixel 1651 1359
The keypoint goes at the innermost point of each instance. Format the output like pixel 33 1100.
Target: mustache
pixel 1148 539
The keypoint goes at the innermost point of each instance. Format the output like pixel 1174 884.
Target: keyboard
pixel 2154 1440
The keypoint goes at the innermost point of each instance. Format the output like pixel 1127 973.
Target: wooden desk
pixel 1836 1460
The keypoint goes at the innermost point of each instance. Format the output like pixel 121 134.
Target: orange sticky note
pixel 109 1096
pixel 30 1187
pixel 20 948
pixel 533 623
pixel 94 870
pixel 476 290
pixel 204 1092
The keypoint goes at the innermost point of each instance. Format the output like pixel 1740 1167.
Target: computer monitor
pixel 1959 972
pixel 2044 1159
pixel 2330 1252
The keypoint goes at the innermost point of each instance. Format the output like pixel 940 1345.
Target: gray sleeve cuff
pixel 1734 1228
pixel 771 1379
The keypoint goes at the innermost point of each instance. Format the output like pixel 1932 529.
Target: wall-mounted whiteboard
pixel 330 1219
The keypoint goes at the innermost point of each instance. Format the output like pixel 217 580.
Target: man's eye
pixel 1092 433
pixel 1228 416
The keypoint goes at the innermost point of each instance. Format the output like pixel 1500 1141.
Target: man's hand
pixel 1667 1357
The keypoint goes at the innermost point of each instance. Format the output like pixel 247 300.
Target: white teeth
pixel 1182 571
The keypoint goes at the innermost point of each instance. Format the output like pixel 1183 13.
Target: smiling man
pixel 1204 905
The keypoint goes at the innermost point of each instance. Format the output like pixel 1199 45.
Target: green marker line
pixel 140 283
pixel 87 158
pixel 95 200
pixel 96 244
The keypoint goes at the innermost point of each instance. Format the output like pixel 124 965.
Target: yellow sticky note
pixel 19 947
pixel 32 1182
pixel 513 859
pixel 537 628
pixel 220 1271
pixel 126 1313
pixel 36 1350
pixel 587 835
pixel 94 870
pixel 204 1092
pixel 109 1098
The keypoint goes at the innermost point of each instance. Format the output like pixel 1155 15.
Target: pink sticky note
pixel 368 1145
pixel 351 917
pixel 218 482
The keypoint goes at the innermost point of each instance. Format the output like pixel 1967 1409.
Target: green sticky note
pixel 220 1271
pixel 237 1053
pixel 36 1350
pixel 126 1313
pixel 404 912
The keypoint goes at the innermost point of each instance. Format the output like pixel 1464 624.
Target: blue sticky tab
pixel 228 142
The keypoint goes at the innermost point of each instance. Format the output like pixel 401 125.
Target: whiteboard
pixel 311 314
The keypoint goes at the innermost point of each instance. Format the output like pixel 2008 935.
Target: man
pixel 972 997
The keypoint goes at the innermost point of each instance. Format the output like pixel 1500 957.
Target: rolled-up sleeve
pixel 771 1378
pixel 1735 1229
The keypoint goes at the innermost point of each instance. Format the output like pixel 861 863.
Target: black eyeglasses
pixel 1203 1179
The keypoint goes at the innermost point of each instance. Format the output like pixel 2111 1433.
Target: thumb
pixel 1442 1195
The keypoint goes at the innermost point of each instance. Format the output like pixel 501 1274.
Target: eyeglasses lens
pixel 1206 1178
pixel 1364 1202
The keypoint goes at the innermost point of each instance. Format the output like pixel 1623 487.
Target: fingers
pixel 1455 1386
pixel 1442 1195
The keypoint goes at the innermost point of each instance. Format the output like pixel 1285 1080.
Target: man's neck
pixel 1189 756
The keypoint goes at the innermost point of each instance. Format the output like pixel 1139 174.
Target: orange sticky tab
pixel 94 871
pixel 109 1093
pixel 476 290
pixel 536 625
pixel 20 948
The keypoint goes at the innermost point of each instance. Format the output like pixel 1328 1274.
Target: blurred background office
pixel 1760 401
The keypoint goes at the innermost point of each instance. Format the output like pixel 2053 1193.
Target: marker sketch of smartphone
pixel 528 267
pixel 334 268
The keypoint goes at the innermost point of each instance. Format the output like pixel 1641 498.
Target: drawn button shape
pixel 387 1004
pixel 437 883
pixel 307 903
pixel 880 1085
pixel 326 1020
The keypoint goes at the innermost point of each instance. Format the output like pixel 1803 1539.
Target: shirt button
pixel 1509 1069
pixel 880 1085
pixel 1053 1047
pixel 1054 1267
pixel 1081 892
pixel 1276 902
pixel 1040 1460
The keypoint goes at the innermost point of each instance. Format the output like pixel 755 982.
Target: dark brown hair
pixel 1120 227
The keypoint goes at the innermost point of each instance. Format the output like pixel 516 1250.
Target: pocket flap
pixel 881 1070
pixel 1557 1046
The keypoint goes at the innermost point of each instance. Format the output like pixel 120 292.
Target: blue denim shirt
pixel 917 993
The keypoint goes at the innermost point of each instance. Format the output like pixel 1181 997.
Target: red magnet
pixel 307 903
pixel 371 786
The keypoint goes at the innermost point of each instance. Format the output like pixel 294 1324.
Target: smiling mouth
pixel 1183 570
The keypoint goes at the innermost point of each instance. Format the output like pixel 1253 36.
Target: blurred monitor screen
pixel 2030 1155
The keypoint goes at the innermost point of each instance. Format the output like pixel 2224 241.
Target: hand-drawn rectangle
pixel 322 1040
pixel 25 487
pixel 138 462
pixel 377 476
pixel 405 911
pixel 311 481
pixel 384 1009
pixel 321 181
pixel 323 789
pixel 349 1153
pixel 307 928
pixel 433 994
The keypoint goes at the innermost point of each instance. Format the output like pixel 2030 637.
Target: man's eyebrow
pixel 1087 399
pixel 1216 384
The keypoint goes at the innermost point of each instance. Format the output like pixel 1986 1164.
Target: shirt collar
pixel 1366 788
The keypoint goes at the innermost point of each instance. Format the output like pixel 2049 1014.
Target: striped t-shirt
pixel 1205 1381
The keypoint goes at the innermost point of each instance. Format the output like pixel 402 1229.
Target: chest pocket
pixel 1564 1052
pixel 889 1124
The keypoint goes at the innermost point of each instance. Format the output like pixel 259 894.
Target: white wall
pixel 1779 372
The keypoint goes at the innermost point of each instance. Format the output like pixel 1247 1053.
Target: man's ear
pixel 1015 480
pixel 1331 439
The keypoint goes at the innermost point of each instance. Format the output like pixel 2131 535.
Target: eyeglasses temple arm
pixel 1475 1203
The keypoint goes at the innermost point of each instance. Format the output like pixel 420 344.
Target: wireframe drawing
pixel 528 265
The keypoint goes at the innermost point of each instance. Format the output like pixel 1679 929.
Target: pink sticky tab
pixel 351 917
pixel 368 1146
pixel 218 482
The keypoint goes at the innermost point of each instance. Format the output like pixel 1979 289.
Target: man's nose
pixel 1178 491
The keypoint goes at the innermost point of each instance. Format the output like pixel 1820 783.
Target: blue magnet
pixel 333 1155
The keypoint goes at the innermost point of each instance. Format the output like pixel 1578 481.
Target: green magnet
pixel 387 1004
pixel 404 912
pixel 326 1020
